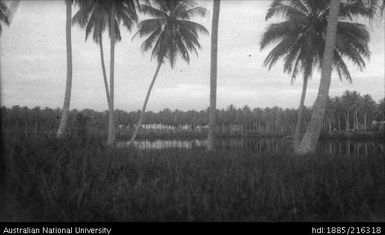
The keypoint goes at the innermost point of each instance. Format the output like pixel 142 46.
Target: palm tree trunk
pixel 311 137
pixel 111 118
pixel 67 97
pixel 347 120
pixel 339 123
pixel 104 70
pixel 300 114
pixel 213 77
pixel 145 105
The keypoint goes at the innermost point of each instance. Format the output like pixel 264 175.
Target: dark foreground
pixel 82 180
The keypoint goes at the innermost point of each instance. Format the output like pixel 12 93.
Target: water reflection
pixel 165 144
pixel 344 147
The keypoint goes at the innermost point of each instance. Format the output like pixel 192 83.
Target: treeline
pixel 355 112
pixel 350 112
pixel 231 120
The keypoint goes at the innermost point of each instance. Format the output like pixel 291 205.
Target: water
pixel 263 145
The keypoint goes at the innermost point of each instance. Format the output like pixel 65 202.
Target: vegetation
pixel 171 32
pixel 366 8
pixel 96 16
pixel 81 180
pixel 351 112
pixel 301 44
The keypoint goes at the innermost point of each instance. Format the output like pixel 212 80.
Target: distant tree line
pixel 349 112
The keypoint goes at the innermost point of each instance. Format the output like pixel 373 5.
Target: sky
pixel 33 65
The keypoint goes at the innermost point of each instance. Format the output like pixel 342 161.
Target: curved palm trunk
pixel 213 78
pixel 144 106
pixel 300 114
pixel 311 137
pixel 111 118
pixel 104 70
pixel 67 97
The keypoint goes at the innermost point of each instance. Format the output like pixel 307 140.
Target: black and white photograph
pixel 192 111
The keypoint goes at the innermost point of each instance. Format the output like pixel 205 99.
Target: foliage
pixel 53 180
pixel 94 16
pixel 300 39
pixel 274 121
pixel 170 31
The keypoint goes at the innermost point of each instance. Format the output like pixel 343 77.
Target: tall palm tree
pixel 169 33
pixel 213 76
pixel 351 100
pixel 368 106
pixel 67 97
pixel 310 140
pixel 301 44
pixel 4 17
pixel 96 16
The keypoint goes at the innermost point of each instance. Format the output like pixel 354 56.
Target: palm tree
pixel 350 100
pixel 96 16
pixel 311 137
pixel 301 44
pixel 368 106
pixel 170 33
pixel 213 76
pixel 4 18
pixel 67 97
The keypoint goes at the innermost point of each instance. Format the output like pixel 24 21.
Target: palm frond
pixel 196 11
pixel 278 31
pixel 285 11
pixel 340 66
pixel 193 26
pixel 279 51
pixel 152 11
pixel 147 44
pixel 146 27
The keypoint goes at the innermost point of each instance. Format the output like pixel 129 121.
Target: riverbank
pixel 71 180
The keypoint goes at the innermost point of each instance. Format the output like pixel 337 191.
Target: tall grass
pixel 81 180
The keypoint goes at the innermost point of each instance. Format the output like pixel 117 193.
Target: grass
pixel 82 180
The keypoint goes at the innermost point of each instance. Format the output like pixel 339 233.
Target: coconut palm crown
pixel 170 32
pixel 94 16
pixel 301 37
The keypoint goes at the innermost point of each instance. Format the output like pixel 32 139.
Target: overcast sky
pixel 33 65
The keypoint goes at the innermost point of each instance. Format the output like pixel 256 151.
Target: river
pixel 264 145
